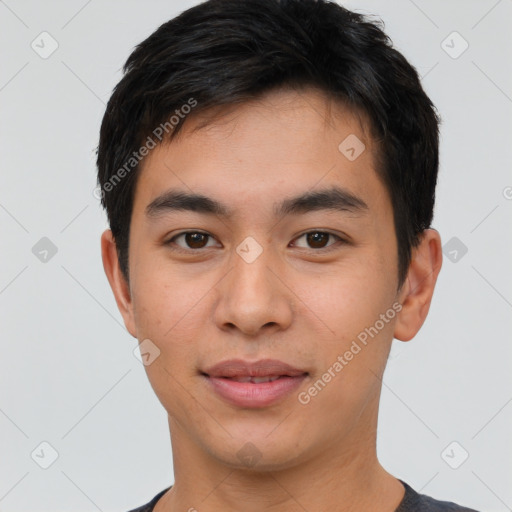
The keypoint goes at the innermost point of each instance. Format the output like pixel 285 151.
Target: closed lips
pixel 253 384
pixel 263 370
pixel 255 380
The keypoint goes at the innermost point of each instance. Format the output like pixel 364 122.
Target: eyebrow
pixel 334 199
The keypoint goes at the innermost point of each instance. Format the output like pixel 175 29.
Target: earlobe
pixel 418 288
pixel 117 280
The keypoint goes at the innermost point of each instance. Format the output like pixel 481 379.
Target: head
pixel 295 128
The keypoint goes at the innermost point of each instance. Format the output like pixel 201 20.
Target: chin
pixel 258 453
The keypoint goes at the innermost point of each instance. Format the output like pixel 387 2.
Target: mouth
pixel 253 384
pixel 254 380
pixel 263 368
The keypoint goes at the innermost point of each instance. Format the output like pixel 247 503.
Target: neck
pixel 345 476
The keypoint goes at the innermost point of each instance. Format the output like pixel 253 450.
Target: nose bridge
pixel 251 296
pixel 251 275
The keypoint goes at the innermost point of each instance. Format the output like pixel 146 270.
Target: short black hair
pixel 226 52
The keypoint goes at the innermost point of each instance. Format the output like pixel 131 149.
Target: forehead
pixel 283 143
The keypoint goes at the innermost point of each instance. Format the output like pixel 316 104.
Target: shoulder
pixel 414 502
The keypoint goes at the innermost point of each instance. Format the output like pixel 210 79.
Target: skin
pixel 296 302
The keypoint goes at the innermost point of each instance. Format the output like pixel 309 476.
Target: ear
pixel 117 280
pixel 418 287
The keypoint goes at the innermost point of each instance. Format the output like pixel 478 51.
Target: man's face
pixel 299 285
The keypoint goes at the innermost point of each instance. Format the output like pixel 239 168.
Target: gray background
pixel 68 375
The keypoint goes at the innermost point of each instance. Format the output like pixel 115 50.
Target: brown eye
pixel 318 240
pixel 194 240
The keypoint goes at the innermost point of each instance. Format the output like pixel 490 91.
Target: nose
pixel 253 297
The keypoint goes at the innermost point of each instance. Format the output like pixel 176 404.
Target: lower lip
pixel 249 394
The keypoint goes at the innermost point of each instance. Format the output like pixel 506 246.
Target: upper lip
pixel 260 368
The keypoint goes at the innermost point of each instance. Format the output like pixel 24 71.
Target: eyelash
pixel 171 242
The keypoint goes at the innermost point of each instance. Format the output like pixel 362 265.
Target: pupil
pixel 316 239
pixel 194 239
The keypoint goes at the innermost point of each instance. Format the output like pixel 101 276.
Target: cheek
pixel 171 316
pixel 165 301
pixel 356 313
pixel 173 320
pixel 349 301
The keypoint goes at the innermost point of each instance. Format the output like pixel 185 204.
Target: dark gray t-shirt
pixel 412 502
